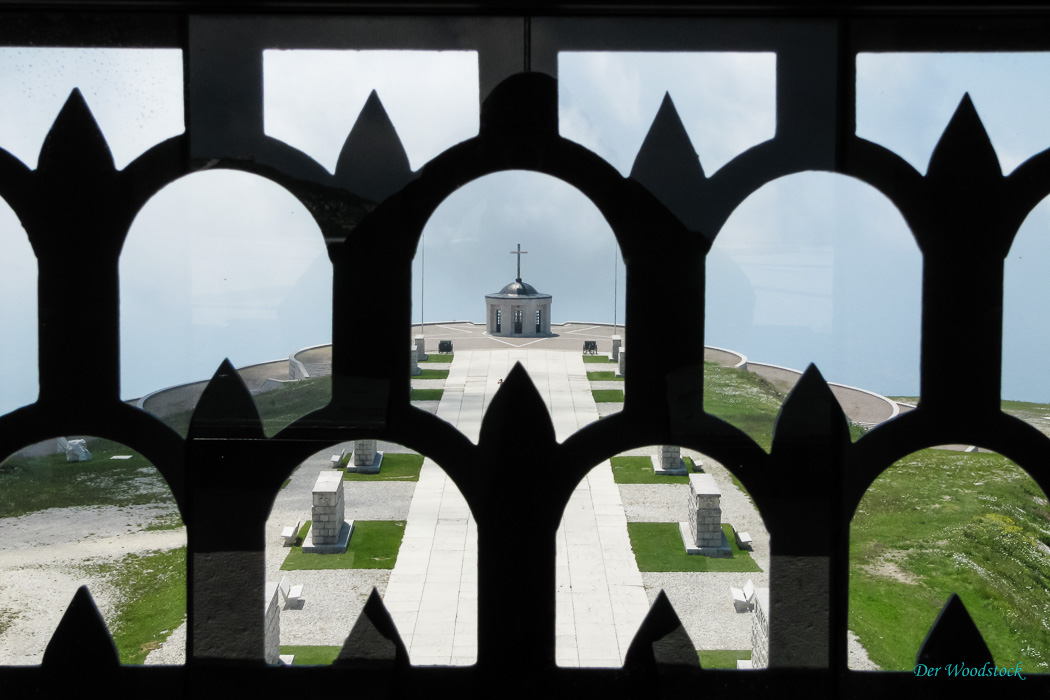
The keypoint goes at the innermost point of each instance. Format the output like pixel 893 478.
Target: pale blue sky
pixel 812 267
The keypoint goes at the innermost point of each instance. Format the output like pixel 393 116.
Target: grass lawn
pixel 427 394
pixel 607 395
pixel 435 357
pixel 395 467
pixel 431 374
pixel 639 470
pixel 152 587
pixel 939 522
pixel 277 408
pixel 658 547
pixel 312 656
pixel 30 484
pixel 718 658
pixel 609 376
pixel 293 401
pixel 588 359
pixel 742 399
pixel 373 545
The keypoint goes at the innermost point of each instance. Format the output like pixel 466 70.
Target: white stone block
pixel 77 451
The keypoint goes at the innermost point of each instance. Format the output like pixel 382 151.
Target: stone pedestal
pixel 414 362
pixel 617 341
pixel 366 458
pixel 669 461
pixel 330 532
pixel 272 634
pixel 703 533
pixel 620 372
pixel 421 351
pixel 77 451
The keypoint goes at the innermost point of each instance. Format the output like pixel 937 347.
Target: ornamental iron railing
pixel 76 210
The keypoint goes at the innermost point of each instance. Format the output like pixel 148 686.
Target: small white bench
pixel 336 459
pixel 291 533
pixel 291 594
pixel 743 540
pixel 287 659
pixel 742 599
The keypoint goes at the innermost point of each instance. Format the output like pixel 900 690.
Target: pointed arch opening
pixel 312 98
pixel 905 100
pixel 135 95
pixel 220 264
pixel 570 268
pixel 662 518
pixel 608 99
pixel 20 384
pixel 950 520
pixel 82 510
pixel 1026 306
pixel 819 268
pixel 411 536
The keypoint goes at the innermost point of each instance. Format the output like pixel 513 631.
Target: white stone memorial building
pixel 518 309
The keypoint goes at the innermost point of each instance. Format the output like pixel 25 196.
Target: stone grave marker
pixel 77 451
pixel 414 362
pixel 703 533
pixel 669 461
pixel 421 351
pixel 330 531
pixel 366 458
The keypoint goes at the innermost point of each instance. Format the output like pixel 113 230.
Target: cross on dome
pixel 519 252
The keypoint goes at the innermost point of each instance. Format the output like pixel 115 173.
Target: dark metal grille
pixel 964 213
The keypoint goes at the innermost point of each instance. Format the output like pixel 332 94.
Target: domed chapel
pixel 518 310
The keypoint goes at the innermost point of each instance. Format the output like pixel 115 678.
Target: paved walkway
pixel 432 593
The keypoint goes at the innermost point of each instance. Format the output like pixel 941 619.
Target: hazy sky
pixel 812 267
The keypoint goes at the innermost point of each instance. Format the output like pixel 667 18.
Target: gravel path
pixel 702 600
pixel 42 563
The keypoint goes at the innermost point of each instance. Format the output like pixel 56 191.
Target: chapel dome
pixel 517 290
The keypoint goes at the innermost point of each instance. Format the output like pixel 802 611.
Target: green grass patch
pixel 639 470
pixel 607 395
pixel 152 588
pixel 279 408
pixel 588 359
pixel 395 467
pixel 427 394
pixel 436 357
pixel 1034 413
pixel 312 655
pixel 609 376
pixel 939 522
pixel 31 484
pixel 658 547
pixel 1041 408
pixel 7 618
pixel 742 399
pixel 171 521
pixel 373 545
pixel 431 374
pixel 720 658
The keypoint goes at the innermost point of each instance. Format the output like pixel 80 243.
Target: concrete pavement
pixel 432 592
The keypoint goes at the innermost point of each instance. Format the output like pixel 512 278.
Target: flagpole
pixel 616 251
